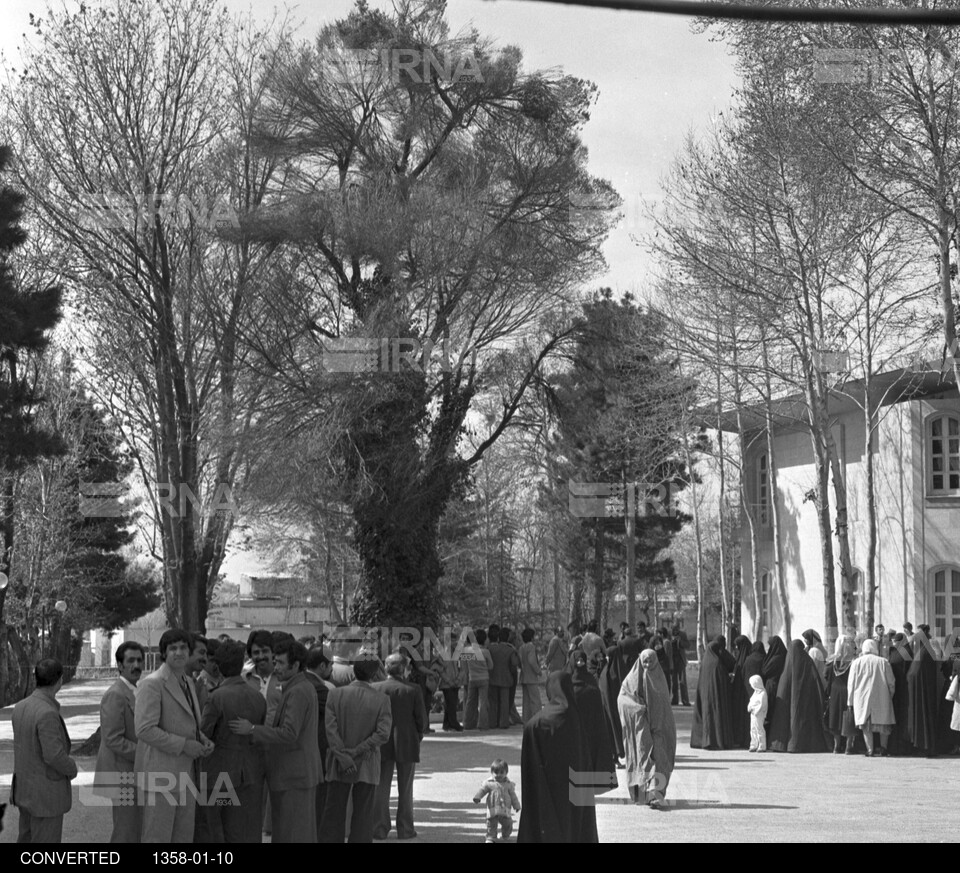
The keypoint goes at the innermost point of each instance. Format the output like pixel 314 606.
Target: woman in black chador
pixel 797 724
pixel 740 693
pixel 553 754
pixel 713 714
pixel 923 698
pixel 773 666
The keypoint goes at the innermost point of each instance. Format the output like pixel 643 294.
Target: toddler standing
pixel 501 796
pixel 757 707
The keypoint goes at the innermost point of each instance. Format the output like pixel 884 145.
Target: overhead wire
pixel 867 15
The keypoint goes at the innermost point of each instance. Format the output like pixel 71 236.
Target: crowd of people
pixel 890 694
pixel 225 741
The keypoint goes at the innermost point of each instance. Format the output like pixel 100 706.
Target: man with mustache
pixel 118 743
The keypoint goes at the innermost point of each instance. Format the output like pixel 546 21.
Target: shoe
pixel 459 728
pixel 884 753
pixel 407 836
pixel 654 804
pixel 751 750
pixel 849 750
pixel 869 754
pixel 379 836
pixel 429 731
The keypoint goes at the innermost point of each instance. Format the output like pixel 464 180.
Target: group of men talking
pixel 224 741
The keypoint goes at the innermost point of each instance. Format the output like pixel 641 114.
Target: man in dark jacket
pixel 234 758
pixel 319 671
pixel 292 753
pixel 402 750
pixel 504 656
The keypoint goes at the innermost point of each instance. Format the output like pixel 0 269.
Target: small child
pixel 757 707
pixel 501 796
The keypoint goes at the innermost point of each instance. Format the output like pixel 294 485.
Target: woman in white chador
pixel 649 730
pixel 870 687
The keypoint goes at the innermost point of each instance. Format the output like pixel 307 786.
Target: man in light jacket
pixel 42 766
pixel 358 723
pixel 169 742
pixel 118 743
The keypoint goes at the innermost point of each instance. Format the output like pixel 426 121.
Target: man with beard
pixel 118 741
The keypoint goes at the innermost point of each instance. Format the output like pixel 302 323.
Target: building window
pixel 763 489
pixel 946 601
pixel 944 455
pixel 765 601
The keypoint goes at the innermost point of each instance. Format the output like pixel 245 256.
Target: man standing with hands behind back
pixel 169 742
pixel 402 750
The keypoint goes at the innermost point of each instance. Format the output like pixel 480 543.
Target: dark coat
pixel 409 721
pixel 620 661
pixel 797 724
pixel 235 755
pixel 322 691
pixel 504 655
pixel 923 692
pixel 739 694
pixel 553 751
pixel 713 712
pixel 292 752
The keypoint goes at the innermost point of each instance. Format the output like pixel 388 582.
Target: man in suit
pixel 678 679
pixel 504 656
pixel 169 742
pixel 292 751
pixel 401 750
pixel 118 742
pixel 42 766
pixel 358 723
pixel 234 758
pixel 318 675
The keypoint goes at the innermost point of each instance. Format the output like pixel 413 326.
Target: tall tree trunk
pixel 598 572
pixel 630 534
pixel 782 598
pixel 698 539
pixel 726 611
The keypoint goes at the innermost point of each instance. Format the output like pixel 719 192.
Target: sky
pixel 657 81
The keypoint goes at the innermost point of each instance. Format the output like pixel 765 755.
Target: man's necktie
pixel 185 685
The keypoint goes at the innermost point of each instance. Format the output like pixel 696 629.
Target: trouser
pixel 39 828
pixel 294 815
pixel 240 823
pixel 531 701
pixel 499 697
pixel 126 824
pixel 679 682
pixel 514 715
pixel 405 774
pixel 476 712
pixel 335 812
pixel 320 805
pixel 505 823
pixel 758 736
pixel 166 819
pixel 450 709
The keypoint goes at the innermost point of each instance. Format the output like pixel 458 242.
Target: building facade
pixel 916 453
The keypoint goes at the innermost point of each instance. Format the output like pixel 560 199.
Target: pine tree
pixel 26 317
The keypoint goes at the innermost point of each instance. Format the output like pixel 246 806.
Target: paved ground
pixel 717 796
